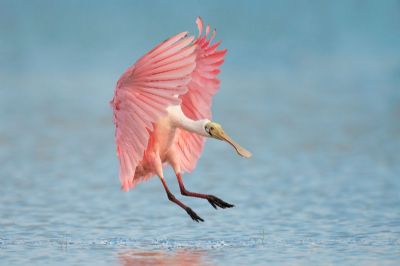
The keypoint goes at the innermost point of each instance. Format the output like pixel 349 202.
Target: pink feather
pixel 182 66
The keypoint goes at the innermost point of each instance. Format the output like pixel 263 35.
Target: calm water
pixel 311 90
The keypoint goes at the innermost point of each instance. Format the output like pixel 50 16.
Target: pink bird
pixel 162 112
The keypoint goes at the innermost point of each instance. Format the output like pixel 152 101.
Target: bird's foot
pixel 217 202
pixel 194 215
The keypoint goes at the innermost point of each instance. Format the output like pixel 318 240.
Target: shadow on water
pixel 135 257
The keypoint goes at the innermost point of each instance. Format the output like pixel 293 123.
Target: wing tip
pixel 125 186
pixel 199 22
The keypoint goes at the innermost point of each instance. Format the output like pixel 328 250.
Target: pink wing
pixel 196 103
pixel 143 94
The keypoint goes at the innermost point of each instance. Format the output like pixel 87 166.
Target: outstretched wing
pixel 142 96
pixel 196 103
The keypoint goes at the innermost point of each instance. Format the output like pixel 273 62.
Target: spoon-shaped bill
pixel 239 149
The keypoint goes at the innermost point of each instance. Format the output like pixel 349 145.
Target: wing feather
pixel 142 95
pixel 179 66
pixel 196 103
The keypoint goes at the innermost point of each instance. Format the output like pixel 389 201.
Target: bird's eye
pixel 212 128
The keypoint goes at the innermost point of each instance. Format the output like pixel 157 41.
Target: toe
pixel 215 201
pixel 194 215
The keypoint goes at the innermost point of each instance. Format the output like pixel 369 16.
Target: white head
pixel 214 130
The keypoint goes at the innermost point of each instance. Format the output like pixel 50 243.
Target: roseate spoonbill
pixel 162 112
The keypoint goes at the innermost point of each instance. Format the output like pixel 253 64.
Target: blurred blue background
pixel 310 87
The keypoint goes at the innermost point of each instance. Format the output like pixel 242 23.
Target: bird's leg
pixel 213 200
pixel 172 198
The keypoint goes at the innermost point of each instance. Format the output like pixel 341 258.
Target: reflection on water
pixel 134 257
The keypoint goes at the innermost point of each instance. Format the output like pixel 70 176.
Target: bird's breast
pixel 164 136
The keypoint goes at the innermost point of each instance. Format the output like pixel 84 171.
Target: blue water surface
pixel 311 88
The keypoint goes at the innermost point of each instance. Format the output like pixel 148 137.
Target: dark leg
pixel 213 200
pixel 172 198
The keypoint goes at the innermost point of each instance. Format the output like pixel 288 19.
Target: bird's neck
pixel 182 121
pixel 195 126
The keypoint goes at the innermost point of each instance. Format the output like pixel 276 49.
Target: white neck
pixel 180 120
pixel 197 126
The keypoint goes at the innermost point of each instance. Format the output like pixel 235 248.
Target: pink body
pixel 161 101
